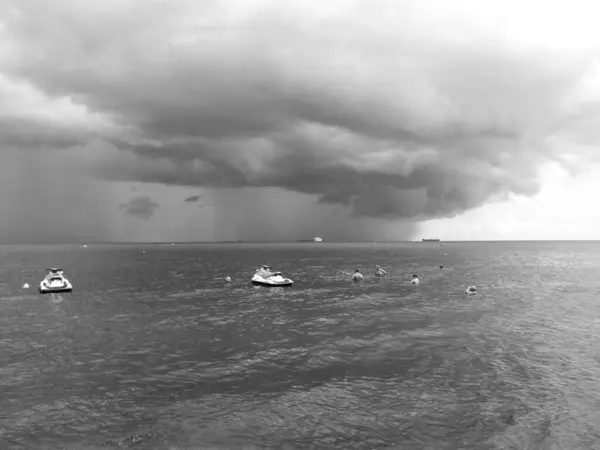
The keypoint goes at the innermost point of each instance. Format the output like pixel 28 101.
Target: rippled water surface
pixel 154 350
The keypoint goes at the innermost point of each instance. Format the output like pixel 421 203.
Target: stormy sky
pixel 355 120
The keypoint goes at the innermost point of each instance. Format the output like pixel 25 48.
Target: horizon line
pixel 304 241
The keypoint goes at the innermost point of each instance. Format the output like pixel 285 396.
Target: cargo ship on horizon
pixel 431 240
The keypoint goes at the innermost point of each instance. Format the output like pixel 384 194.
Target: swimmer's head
pixel 415 275
pixel 357 270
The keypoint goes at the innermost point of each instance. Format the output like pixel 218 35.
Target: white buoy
pixel 471 290
pixel 228 279
pixel 26 286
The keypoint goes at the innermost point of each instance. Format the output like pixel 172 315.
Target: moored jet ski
pixel 55 282
pixel 266 277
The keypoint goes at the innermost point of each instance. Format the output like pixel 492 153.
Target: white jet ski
pixel 55 282
pixel 266 277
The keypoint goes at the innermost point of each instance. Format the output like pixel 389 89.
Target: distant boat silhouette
pixel 431 240
pixel 318 239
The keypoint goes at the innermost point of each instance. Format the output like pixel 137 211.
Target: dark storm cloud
pixel 394 121
pixel 141 207
pixel 192 199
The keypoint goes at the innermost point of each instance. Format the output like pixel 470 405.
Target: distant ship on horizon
pixel 431 240
pixel 318 239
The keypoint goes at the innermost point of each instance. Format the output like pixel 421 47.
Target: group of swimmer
pixel 357 277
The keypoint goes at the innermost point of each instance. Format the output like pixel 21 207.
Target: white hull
pixel 276 280
pixel 57 286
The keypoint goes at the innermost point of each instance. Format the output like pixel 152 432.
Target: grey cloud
pixel 406 183
pixel 141 207
pixel 389 125
pixel 192 199
pixel 34 134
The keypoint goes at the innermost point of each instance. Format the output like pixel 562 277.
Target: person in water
pixel 379 272
pixel 357 276
pixel 415 280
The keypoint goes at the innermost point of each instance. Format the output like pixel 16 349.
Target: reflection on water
pixel 187 361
